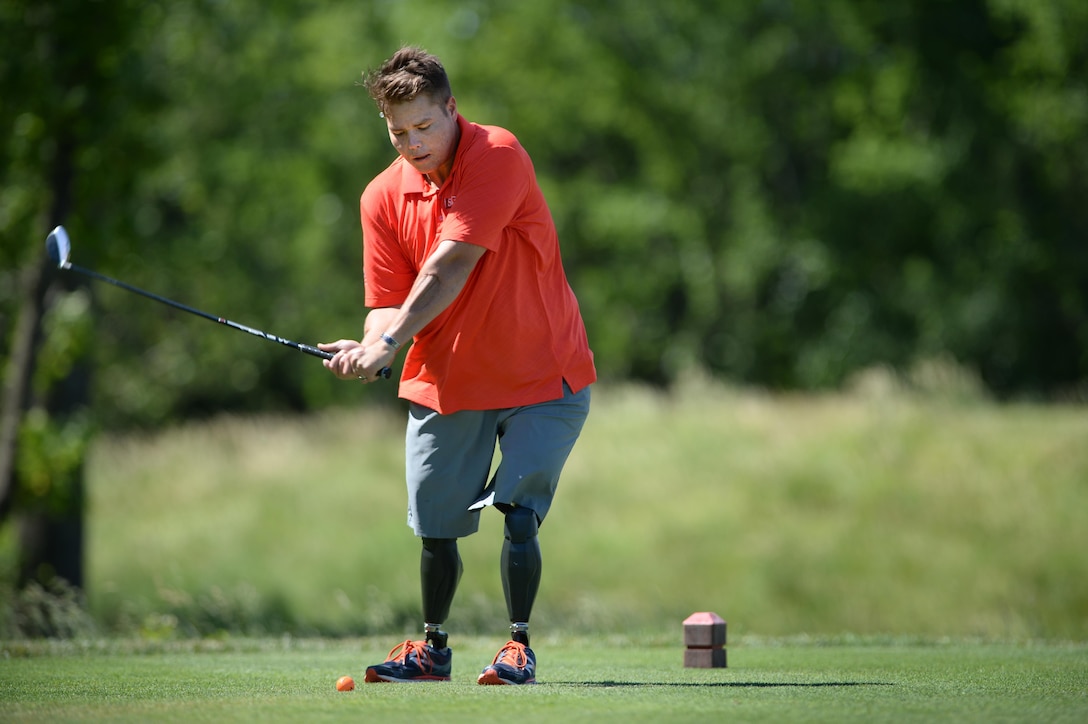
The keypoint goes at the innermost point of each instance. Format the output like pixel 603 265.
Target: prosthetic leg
pixel 521 566
pixel 431 659
pixel 440 571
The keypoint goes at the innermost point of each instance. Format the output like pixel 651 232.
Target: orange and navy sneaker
pixel 413 661
pixel 514 664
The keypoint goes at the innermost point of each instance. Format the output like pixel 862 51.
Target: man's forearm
pixel 377 321
pixel 439 283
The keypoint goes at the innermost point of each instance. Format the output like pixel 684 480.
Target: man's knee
pixel 521 525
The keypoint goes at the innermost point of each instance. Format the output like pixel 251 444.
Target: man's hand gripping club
pixel 439 282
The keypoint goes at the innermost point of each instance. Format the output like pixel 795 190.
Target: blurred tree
pixel 941 217
pixel 781 192
pixel 59 85
pixel 789 192
pixel 250 214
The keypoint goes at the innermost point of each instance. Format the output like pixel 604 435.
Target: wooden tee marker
pixel 704 641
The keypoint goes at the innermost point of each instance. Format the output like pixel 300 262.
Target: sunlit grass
pixel 580 679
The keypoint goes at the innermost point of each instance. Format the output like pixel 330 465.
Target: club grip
pixel 385 372
pixel 314 351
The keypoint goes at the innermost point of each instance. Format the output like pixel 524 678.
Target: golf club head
pixel 58 247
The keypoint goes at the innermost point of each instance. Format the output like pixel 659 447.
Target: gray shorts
pixel 448 458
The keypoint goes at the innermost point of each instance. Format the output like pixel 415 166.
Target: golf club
pixel 59 248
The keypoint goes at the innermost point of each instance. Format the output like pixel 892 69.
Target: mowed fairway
pixel 581 680
pixel 878 556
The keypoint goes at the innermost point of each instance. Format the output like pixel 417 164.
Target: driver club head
pixel 58 247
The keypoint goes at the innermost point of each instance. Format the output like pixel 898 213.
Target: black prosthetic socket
pixel 439 573
pixel 521 565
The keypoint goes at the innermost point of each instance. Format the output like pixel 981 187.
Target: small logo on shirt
pixel 449 202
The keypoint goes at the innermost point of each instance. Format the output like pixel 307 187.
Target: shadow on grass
pixel 715 684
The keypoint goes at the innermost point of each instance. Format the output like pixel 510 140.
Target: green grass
pixel 879 556
pixel 581 679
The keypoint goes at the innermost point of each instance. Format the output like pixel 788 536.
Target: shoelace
pixel 409 647
pixel 512 654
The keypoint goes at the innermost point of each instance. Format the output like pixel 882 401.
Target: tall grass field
pixel 877 555
pixel 785 515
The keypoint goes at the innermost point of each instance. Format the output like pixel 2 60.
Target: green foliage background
pixel 785 194
pixel 782 193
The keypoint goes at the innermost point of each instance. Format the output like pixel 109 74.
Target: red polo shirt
pixel 515 333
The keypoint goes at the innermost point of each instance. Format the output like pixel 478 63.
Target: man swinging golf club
pixel 461 256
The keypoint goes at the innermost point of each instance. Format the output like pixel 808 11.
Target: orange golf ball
pixel 345 683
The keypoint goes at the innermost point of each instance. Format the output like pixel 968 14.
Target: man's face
pixel 424 131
